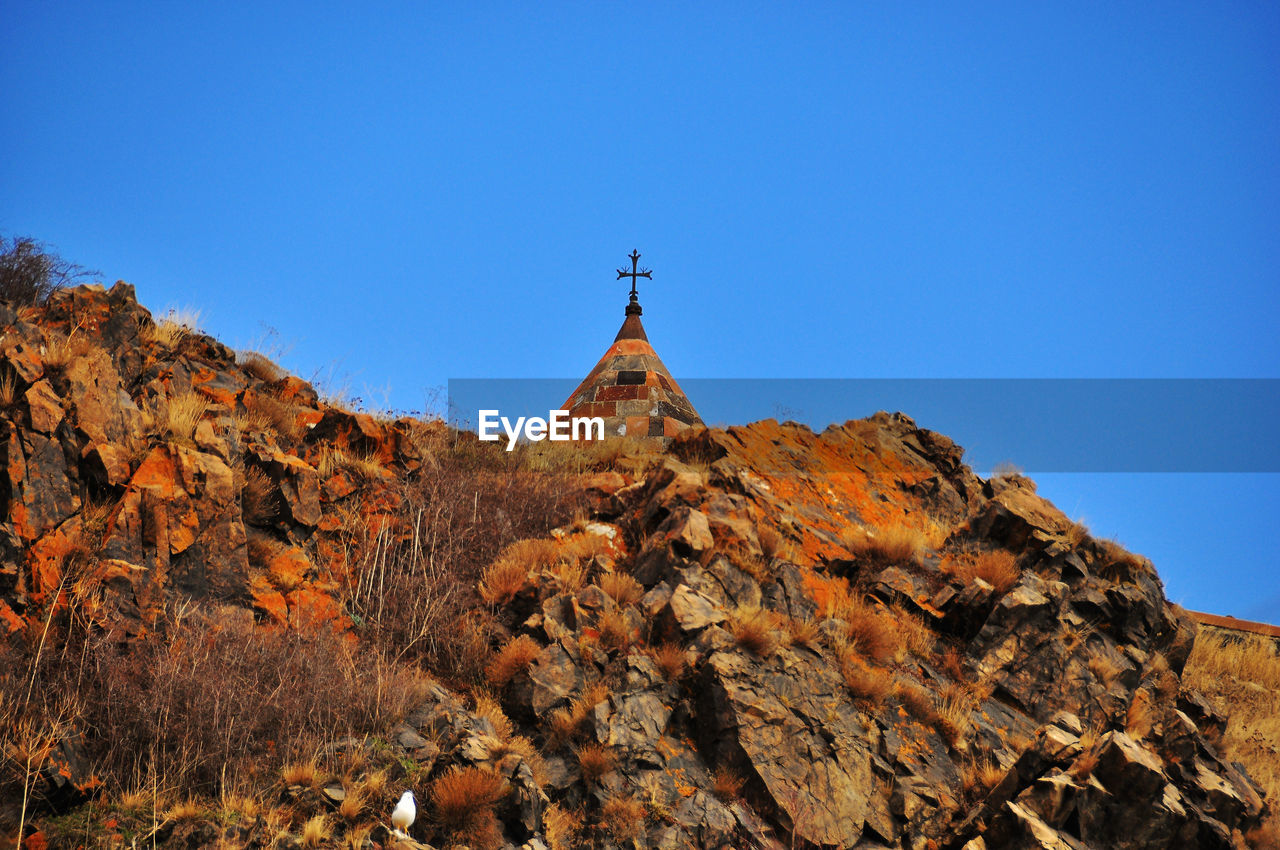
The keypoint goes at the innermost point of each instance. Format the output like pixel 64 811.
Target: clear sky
pixel 392 195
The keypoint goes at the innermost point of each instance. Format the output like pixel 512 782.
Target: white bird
pixel 404 813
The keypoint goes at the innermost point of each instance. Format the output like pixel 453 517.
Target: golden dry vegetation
pixel 1240 676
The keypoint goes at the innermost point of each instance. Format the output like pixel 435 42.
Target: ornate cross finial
pixel 634 273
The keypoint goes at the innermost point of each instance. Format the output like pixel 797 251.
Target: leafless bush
pixel 30 271
pixel 417 571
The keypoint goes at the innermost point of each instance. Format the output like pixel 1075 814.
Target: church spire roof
pixel 630 387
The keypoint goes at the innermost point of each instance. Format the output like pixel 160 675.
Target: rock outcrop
pixel 765 637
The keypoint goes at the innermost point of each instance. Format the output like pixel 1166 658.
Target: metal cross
pixel 635 272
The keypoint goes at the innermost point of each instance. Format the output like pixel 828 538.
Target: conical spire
pixel 630 388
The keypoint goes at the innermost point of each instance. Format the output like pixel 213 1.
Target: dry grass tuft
pixel 503 579
pixel 363 466
pixel 1104 669
pixel 755 630
pixel 670 659
pixel 980 775
pixel 998 569
pixel 353 804
pixel 863 680
pixel 622 818
pixel 952 664
pixel 259 366
pixel 870 631
pixel 895 544
pixel 304 773
pixel 280 417
pixel 464 800
pixel 8 388
pixel 181 415
pixel 802 631
pixel 622 588
pixel 1117 564
pixel 576 720
pixel 770 541
pixel 615 631
pixel 188 809
pixel 316 832
pixel 488 708
pixel 561 827
pixel 919 703
pixel 726 783
pixel 595 760
pixel 569 576
pixel 515 656
pixel 259 500
pixel 173 327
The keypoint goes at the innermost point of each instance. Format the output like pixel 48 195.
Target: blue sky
pixel 393 195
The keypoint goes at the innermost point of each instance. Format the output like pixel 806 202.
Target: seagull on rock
pixel 404 813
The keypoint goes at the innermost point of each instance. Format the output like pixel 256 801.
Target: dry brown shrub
pixel 304 773
pixel 622 818
pixel 259 497
pixel 316 832
pixel 895 544
pixel 998 568
pixel 363 466
pixel 464 799
pixel 569 576
pixel 1141 715
pixel 615 631
pixel 181 415
pixel 417 591
pixel 726 783
pixel 560 827
pixel 919 703
pixel 871 631
pixel 670 659
pixel 188 809
pixel 1116 564
pixel 595 760
pixel 863 680
pixel 203 703
pixel 802 631
pixel 282 417
pixel 1104 669
pixel 980 775
pixel 952 663
pixel 770 541
pixel 502 581
pixel 353 804
pixel 514 656
pixel 622 588
pixel 259 366
pixel 488 708
pixel 576 720
pixel 754 629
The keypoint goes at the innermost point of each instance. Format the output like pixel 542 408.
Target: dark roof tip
pixel 631 327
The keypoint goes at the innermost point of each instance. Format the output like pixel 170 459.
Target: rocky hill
pixel 233 614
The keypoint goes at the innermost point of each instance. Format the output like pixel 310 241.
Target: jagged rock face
pixel 99 491
pixel 1064 684
pixel 782 675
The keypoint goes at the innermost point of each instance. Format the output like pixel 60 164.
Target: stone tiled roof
pixel 632 390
